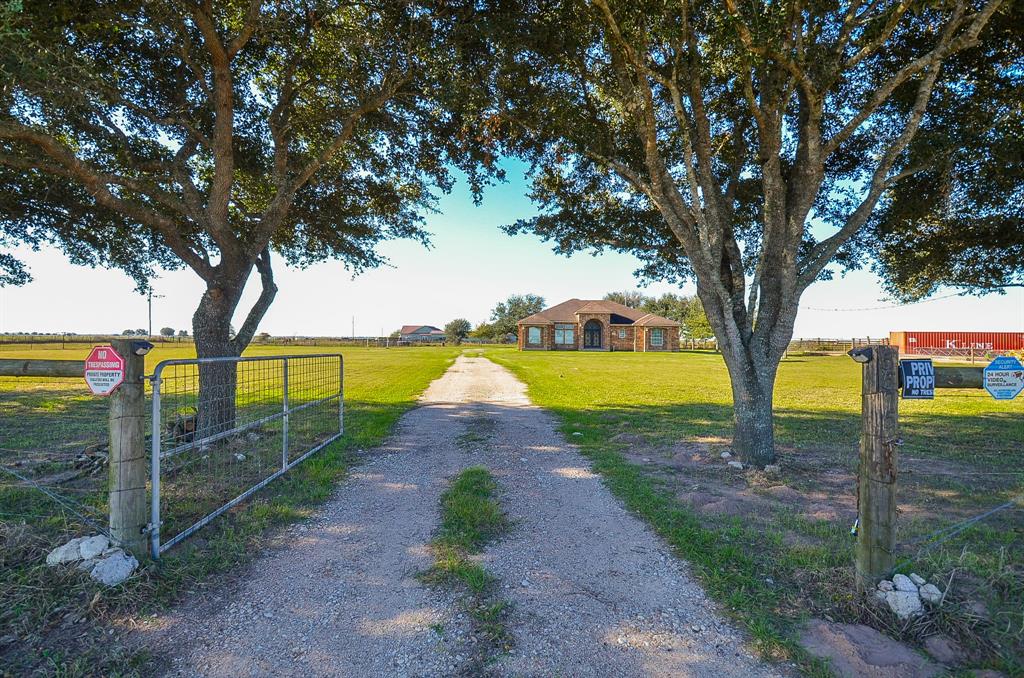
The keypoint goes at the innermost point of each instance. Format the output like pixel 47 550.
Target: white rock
pixel 577 433
pixel 886 585
pixel 904 604
pixel 68 553
pixel 725 455
pixel 931 594
pixel 773 469
pixel 917 579
pixel 240 457
pixel 115 568
pixel 904 583
pixel 736 464
pixel 93 547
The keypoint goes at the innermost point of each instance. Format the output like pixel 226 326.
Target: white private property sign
pixel 1004 378
pixel 104 370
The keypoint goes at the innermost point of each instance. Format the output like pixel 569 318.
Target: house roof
pixel 418 329
pixel 566 311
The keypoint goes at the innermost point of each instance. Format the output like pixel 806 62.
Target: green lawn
pixel 40 605
pixel 774 551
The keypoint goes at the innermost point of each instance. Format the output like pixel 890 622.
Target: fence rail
pixel 223 428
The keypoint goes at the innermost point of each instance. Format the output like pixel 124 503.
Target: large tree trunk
pixel 752 389
pixel 211 327
pixel 752 356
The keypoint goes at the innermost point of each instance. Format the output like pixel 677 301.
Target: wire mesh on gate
pixel 225 427
pixel 53 455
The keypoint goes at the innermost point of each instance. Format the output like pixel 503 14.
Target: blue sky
pixel 471 265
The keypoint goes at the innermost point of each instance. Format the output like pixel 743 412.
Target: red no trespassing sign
pixel 104 370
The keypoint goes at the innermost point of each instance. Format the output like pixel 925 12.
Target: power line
pixel 883 308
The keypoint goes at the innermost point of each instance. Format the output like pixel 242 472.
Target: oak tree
pixel 218 136
pixel 744 144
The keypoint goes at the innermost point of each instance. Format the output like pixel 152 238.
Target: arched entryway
pixel 592 332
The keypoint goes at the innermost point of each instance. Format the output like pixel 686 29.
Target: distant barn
pixel 956 343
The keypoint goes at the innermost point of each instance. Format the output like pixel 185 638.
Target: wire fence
pixel 225 427
pixel 53 455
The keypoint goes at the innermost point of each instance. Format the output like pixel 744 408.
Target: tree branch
pixel 259 309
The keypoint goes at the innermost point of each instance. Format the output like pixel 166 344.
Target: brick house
pixel 597 325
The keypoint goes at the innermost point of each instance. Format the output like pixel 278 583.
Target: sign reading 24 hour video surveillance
pixel 1004 378
pixel 104 370
pixel 918 378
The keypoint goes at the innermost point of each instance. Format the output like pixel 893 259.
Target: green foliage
pixel 166 331
pixel 958 220
pixel 107 81
pixel 671 306
pixel 457 330
pixel 507 313
pixel 631 298
pixel 695 321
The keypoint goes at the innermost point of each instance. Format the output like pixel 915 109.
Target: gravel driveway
pixel 593 591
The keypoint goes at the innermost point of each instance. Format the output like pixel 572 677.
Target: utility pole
pixel 353 327
pixel 149 299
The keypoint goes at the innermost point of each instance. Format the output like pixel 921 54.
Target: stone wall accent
pixel 605 320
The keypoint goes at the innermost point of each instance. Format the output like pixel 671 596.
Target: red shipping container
pixel 956 343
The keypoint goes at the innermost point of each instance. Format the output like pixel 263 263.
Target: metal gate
pixel 223 428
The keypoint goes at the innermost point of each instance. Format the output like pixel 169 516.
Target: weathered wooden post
pixel 128 506
pixel 876 480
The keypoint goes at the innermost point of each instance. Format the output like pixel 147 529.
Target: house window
pixel 622 333
pixel 657 337
pixel 565 334
pixel 533 336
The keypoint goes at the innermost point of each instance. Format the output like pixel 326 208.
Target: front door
pixel 592 334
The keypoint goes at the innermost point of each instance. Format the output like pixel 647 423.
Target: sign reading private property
pixel 104 370
pixel 918 378
pixel 1004 378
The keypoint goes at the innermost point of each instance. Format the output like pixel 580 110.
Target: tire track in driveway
pixel 594 591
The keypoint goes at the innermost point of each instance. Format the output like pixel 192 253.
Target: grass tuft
pixel 470 519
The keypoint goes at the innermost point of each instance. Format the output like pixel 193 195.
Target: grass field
pixel 775 551
pixel 56 619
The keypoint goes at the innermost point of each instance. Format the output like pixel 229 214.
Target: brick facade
pixel 625 343
pixel 620 336
pixel 670 339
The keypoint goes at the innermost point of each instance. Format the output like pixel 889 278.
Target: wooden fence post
pixel 876 479
pixel 127 485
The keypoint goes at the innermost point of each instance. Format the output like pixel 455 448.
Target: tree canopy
pixel 746 145
pixel 507 313
pixel 209 135
pixel 457 330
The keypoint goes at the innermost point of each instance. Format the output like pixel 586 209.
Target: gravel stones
pixel 592 590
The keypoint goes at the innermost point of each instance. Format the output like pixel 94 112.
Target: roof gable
pixel 420 329
pixel 567 311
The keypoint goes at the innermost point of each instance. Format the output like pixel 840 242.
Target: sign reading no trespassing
pixel 918 379
pixel 1004 378
pixel 104 370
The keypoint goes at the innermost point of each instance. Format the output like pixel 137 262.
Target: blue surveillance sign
pixel 917 376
